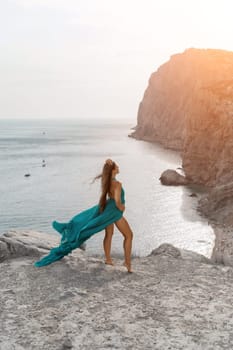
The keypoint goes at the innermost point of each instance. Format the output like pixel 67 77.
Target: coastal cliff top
pixel 174 299
pixel 203 51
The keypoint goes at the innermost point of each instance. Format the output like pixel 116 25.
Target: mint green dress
pixel 81 227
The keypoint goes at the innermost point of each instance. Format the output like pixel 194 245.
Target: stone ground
pixel 173 300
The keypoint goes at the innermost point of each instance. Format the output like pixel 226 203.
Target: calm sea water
pixel 74 152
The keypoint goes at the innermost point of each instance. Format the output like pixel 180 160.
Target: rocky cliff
pixel 208 147
pixel 188 106
pixel 217 206
pixel 174 299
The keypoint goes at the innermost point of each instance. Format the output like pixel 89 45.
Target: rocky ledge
pixel 174 299
pixel 171 177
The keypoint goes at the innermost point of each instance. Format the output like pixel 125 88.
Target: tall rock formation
pixel 208 148
pixel 188 106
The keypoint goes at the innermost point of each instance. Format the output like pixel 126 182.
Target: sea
pixel 63 156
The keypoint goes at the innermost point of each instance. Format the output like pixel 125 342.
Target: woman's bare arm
pixel 117 197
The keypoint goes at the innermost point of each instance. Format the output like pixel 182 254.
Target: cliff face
pixel 188 106
pixel 208 147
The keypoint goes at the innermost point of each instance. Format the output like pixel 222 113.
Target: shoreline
pixel 222 251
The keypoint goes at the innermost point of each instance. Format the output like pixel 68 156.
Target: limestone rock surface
pixel 173 299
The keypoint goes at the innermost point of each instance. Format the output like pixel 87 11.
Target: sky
pixel 93 58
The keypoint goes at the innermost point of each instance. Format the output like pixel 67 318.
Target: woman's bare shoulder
pixel 117 185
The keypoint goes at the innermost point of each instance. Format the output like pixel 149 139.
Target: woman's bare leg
pixel 107 243
pixel 125 229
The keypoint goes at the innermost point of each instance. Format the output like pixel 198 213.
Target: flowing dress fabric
pixel 81 227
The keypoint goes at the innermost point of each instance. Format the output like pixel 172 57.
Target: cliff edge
pixel 173 300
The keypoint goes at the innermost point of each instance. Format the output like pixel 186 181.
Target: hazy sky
pixel 93 58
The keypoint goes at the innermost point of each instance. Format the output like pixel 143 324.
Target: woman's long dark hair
pixel 105 182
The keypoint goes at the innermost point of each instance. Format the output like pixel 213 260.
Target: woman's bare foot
pixel 128 266
pixel 109 262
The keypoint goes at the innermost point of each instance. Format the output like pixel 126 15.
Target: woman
pixel 101 216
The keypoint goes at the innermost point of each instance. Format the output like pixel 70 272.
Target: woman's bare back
pixel 112 189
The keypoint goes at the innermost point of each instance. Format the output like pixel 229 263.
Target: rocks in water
pixel 188 106
pixel 193 194
pixel 172 178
